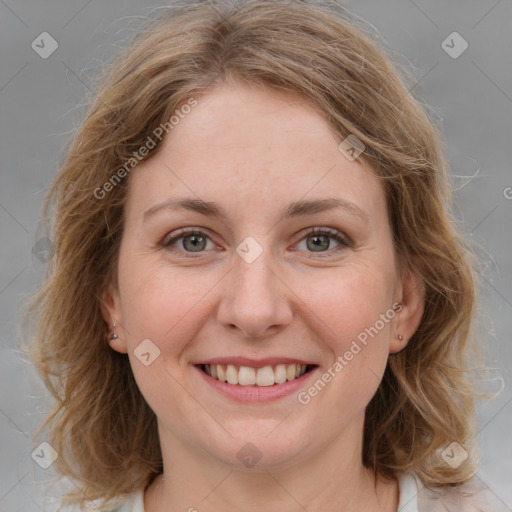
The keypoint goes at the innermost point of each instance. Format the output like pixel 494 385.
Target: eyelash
pixel 331 233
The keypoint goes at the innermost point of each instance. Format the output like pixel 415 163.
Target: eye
pixel 189 241
pixel 319 240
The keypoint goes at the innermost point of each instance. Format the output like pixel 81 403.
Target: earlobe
pixel 115 342
pixel 408 317
pixel 111 312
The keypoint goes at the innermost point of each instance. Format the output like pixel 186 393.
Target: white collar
pixel 409 489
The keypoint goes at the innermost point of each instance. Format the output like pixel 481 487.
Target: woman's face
pixel 219 265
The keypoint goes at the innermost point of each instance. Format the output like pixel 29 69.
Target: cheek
pixel 352 308
pixel 165 305
pixel 168 307
pixel 349 299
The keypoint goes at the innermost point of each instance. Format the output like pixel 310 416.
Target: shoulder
pixel 472 496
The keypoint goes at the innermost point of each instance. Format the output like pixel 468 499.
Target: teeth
pixel 280 374
pixel 221 374
pixel 231 374
pixel 248 376
pixel 265 376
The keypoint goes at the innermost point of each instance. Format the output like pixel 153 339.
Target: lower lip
pixel 256 393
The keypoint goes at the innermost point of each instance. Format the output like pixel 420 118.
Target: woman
pixel 258 299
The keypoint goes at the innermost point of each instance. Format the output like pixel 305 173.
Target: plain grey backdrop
pixel 41 102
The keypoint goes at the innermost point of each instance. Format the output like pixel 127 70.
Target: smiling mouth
pixel 261 377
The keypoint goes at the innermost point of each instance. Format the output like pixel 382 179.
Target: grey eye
pixel 318 243
pixel 194 243
pixel 322 240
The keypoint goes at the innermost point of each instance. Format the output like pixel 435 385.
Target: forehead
pixel 252 150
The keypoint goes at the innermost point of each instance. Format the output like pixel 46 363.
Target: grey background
pixel 41 102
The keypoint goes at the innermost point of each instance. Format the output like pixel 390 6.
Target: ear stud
pixel 113 335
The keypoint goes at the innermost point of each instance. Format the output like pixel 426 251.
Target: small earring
pixel 113 336
pixel 399 336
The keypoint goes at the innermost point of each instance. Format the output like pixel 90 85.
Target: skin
pixel 254 152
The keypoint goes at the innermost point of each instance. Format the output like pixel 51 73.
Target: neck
pixel 332 479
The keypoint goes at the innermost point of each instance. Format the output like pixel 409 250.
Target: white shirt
pixel 413 497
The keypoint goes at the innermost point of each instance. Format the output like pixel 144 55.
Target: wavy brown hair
pixel 105 433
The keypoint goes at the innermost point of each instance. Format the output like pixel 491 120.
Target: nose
pixel 256 301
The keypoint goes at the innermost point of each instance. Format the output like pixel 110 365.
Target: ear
pixel 411 296
pixel 112 314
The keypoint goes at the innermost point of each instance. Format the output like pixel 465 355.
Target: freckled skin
pixel 253 153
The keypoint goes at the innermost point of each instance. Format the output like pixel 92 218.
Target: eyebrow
pixel 295 209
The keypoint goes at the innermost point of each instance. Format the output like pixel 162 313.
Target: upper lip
pixel 253 363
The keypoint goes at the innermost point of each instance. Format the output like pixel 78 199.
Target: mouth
pixel 266 376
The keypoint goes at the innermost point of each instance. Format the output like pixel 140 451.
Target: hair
pixel 102 428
